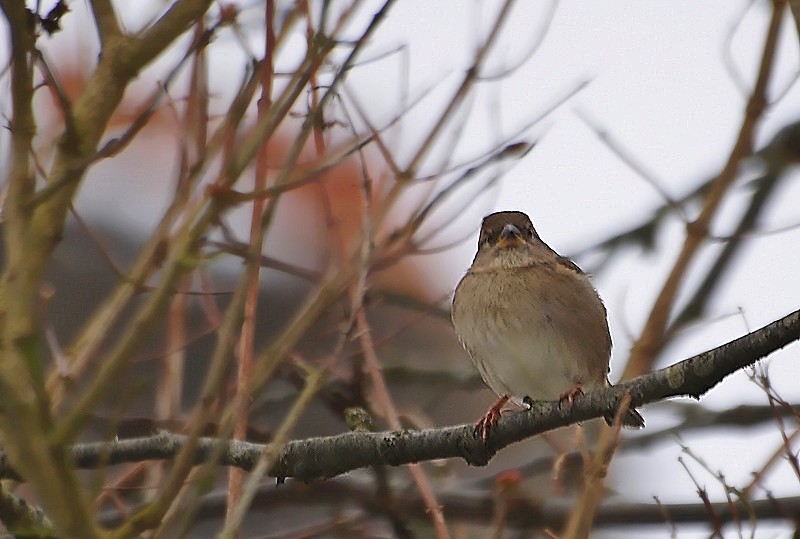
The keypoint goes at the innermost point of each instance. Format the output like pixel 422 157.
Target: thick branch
pixel 315 458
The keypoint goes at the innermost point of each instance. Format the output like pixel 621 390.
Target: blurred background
pixel 604 122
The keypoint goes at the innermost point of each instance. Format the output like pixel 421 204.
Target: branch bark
pixel 329 456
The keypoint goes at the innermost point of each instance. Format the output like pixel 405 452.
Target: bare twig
pixel 711 510
pixel 389 410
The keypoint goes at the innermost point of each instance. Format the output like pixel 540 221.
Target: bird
pixel 531 321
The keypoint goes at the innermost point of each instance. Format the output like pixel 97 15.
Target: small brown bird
pixel 531 320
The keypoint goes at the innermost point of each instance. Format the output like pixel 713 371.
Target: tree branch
pixel 478 507
pixel 321 457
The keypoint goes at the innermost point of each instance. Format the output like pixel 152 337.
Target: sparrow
pixel 530 320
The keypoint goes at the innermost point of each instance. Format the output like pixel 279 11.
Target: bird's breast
pixel 525 336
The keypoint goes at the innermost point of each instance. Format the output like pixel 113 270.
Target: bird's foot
pixel 570 394
pixel 489 419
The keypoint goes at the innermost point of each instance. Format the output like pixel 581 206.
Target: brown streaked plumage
pixel 530 319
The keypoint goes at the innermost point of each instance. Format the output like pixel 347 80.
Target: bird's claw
pixel 489 420
pixel 570 394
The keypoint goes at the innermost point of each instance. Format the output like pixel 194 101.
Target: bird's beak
pixel 510 236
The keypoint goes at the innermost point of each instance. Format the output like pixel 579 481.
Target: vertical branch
pixel 169 392
pixel 583 510
pixel 25 420
pixel 379 385
pixel 105 19
pixel 247 337
pixel 19 290
pixel 331 223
